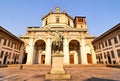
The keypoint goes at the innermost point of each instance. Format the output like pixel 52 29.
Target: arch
pixel 38 40
pixel 73 39
pixel 74 52
pixel 39 51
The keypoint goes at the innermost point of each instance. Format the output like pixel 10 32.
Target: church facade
pixel 76 44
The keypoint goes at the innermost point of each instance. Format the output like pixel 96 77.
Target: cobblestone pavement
pixel 77 74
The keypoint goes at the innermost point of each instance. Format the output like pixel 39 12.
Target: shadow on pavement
pixel 3 65
pixel 98 79
pixel 1 76
pixel 113 66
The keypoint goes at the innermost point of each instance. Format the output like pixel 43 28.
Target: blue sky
pixel 17 15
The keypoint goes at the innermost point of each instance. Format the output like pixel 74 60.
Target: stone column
pixel 30 52
pixel 48 52
pixel 93 55
pixel 83 53
pixel 66 51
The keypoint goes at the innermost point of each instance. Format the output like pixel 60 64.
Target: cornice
pixel 108 32
pixel 10 34
pixel 59 29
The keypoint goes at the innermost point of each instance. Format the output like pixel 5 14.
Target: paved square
pixel 77 74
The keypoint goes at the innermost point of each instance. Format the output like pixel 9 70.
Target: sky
pixel 17 15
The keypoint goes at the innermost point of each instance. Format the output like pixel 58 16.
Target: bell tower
pixel 80 22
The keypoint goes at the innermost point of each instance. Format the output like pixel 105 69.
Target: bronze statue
pixel 58 41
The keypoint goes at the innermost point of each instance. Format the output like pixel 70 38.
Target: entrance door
pixel 15 60
pixel 25 58
pixel 5 59
pixel 109 59
pixel 89 58
pixel 43 59
pixel 71 59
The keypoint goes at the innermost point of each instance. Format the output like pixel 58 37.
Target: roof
pixel 10 34
pixel 80 17
pixel 108 32
pixel 56 13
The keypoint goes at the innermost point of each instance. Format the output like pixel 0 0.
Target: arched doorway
pixel 39 52
pixel 74 52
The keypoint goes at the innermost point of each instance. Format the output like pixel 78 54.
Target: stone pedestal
pixel 57 71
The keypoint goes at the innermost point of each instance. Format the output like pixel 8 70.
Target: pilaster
pixel 93 55
pixel 48 52
pixel 66 51
pixel 30 52
pixel 83 53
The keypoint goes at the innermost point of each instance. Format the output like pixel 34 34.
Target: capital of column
pixel 81 45
pixel 82 37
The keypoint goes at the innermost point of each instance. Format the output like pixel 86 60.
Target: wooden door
pixel 89 58
pixel 71 59
pixel 43 59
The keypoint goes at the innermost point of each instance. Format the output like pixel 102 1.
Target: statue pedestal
pixel 57 66
pixel 57 71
